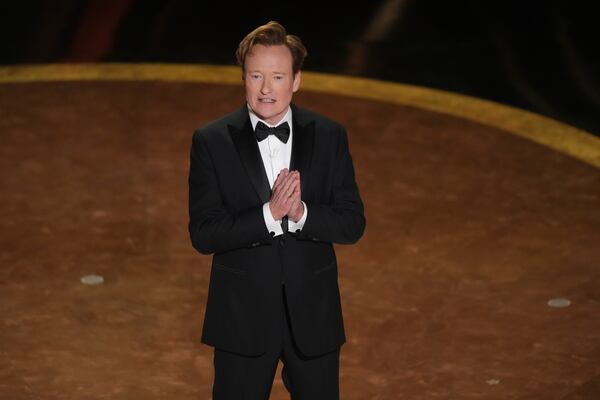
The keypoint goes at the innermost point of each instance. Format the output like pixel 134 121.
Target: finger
pixel 296 188
pixel 289 178
pixel 283 196
pixel 284 179
pixel 284 190
pixel 297 180
pixel 291 183
pixel 285 186
pixel 284 182
pixel 284 172
pixel 296 197
pixel 284 203
pixel 280 177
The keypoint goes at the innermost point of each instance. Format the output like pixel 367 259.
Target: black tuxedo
pixel 227 189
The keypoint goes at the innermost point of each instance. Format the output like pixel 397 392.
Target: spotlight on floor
pixel 92 280
pixel 559 303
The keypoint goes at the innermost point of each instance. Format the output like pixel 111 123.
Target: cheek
pixel 287 90
pixel 250 90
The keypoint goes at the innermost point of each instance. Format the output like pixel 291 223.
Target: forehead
pixel 277 58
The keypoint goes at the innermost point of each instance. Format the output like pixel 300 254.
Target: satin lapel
pixel 247 147
pixel 302 148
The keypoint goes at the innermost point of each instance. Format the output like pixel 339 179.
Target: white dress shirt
pixel 276 156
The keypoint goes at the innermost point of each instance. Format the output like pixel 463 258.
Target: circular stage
pixel 479 219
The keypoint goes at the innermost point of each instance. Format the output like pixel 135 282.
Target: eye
pixel 278 77
pixel 255 76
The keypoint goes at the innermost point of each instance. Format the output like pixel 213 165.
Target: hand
pixel 297 209
pixel 282 197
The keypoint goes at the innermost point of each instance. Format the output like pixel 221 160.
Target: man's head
pixel 271 61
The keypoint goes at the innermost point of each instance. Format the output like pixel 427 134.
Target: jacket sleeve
pixel 212 228
pixel 342 220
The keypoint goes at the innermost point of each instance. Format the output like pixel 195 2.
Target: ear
pixel 297 79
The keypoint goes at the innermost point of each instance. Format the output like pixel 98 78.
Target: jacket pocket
pixel 229 269
pixel 325 268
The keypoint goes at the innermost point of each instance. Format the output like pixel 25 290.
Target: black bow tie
pixel 282 131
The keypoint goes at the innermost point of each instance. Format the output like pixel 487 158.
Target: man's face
pixel 270 81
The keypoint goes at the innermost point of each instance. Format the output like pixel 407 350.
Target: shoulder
pixel 219 127
pixel 323 125
pixel 305 116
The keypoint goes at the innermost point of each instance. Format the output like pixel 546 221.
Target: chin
pixel 266 112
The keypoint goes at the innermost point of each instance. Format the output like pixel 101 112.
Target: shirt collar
pixel 254 118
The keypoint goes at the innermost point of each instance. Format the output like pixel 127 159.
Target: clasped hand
pixel 286 196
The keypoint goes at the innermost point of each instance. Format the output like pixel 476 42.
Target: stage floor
pixel 470 232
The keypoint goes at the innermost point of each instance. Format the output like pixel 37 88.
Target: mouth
pixel 266 100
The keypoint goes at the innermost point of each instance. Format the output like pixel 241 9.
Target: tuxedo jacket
pixel 228 186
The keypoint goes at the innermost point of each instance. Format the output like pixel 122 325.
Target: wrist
pixel 276 216
pixel 296 213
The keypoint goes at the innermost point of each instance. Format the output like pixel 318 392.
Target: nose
pixel 265 87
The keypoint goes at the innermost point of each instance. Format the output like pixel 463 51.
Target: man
pixel 271 188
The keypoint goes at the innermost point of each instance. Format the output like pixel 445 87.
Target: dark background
pixel 537 55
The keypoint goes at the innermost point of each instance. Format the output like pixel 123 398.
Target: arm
pixel 212 228
pixel 342 220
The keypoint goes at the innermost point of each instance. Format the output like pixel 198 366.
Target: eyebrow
pixel 260 72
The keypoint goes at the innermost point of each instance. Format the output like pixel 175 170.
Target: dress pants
pixel 239 377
